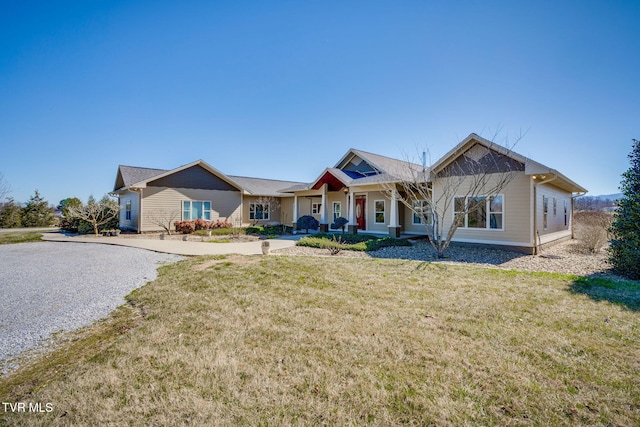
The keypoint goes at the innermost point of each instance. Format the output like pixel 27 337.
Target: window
pixel 495 213
pixel 480 212
pixel 127 210
pixel 337 210
pixel 422 213
pixel 477 212
pixel 379 213
pixel 566 214
pixel 555 206
pixel 196 210
pixel 259 211
pixel 545 211
pixel 315 208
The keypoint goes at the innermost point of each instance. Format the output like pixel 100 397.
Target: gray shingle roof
pixel 263 187
pixel 128 175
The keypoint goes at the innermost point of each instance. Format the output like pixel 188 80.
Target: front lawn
pixel 283 340
pixel 350 242
pixel 11 237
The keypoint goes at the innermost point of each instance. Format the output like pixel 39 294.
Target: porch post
pixel 394 226
pixel 295 210
pixel 324 226
pixel 352 227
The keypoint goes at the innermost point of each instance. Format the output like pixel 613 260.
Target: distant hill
pixel 609 196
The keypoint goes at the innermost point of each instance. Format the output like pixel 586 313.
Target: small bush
pixel 339 224
pixel 350 242
pixel 188 227
pixel 307 222
pixel 591 228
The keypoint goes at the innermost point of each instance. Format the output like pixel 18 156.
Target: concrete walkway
pixel 178 247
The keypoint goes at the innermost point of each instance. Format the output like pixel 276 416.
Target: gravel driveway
pixel 46 287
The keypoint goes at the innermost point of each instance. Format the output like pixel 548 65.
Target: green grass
pixel 350 242
pixel 20 237
pixel 221 231
pixel 302 341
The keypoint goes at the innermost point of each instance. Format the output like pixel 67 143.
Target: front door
pixel 361 203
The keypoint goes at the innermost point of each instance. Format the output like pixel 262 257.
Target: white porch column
pixel 353 227
pixel 324 225
pixel 394 226
pixel 296 212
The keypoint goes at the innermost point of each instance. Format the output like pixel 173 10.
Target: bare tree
pixel 465 189
pixel 96 213
pixel 163 218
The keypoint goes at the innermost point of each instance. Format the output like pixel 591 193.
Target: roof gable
pixel 195 176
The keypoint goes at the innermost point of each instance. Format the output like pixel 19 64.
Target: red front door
pixel 361 202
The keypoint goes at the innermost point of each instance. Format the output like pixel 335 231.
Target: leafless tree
pixel 163 218
pixel 460 189
pixel 95 212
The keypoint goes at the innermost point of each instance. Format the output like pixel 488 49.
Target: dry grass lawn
pixel 314 341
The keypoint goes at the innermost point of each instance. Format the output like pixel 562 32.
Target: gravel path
pixel 47 287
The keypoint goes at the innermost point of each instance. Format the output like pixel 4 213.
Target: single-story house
pixel 534 208
pixel 151 197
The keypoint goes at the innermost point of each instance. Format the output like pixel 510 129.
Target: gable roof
pixel 382 169
pixel 531 167
pixel 138 177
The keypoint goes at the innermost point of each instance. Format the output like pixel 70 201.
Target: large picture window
pixel 480 212
pixel 196 210
pixel 259 211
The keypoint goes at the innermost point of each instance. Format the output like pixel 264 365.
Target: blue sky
pixel 283 89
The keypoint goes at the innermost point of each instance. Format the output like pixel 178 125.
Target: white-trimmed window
pixel 422 212
pixel 316 208
pixel 196 209
pixel 555 206
pixel 127 210
pixel 259 211
pixel 379 211
pixel 545 212
pixel 566 214
pixel 337 210
pixel 480 212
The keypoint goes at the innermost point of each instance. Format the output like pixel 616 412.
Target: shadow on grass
pixel 617 291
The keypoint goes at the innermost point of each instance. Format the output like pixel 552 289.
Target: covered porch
pixel 367 207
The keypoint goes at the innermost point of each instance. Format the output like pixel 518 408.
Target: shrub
pixel 307 222
pixel 592 229
pixel 351 242
pixel 339 223
pixel 188 227
pixel 624 253
pixel 185 227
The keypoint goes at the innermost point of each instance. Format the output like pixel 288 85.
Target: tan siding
pixel 277 215
pixel 372 196
pixel 132 224
pixel 555 223
pixel 516 216
pixel 225 205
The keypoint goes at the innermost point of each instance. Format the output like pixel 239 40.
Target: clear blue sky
pixel 280 89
